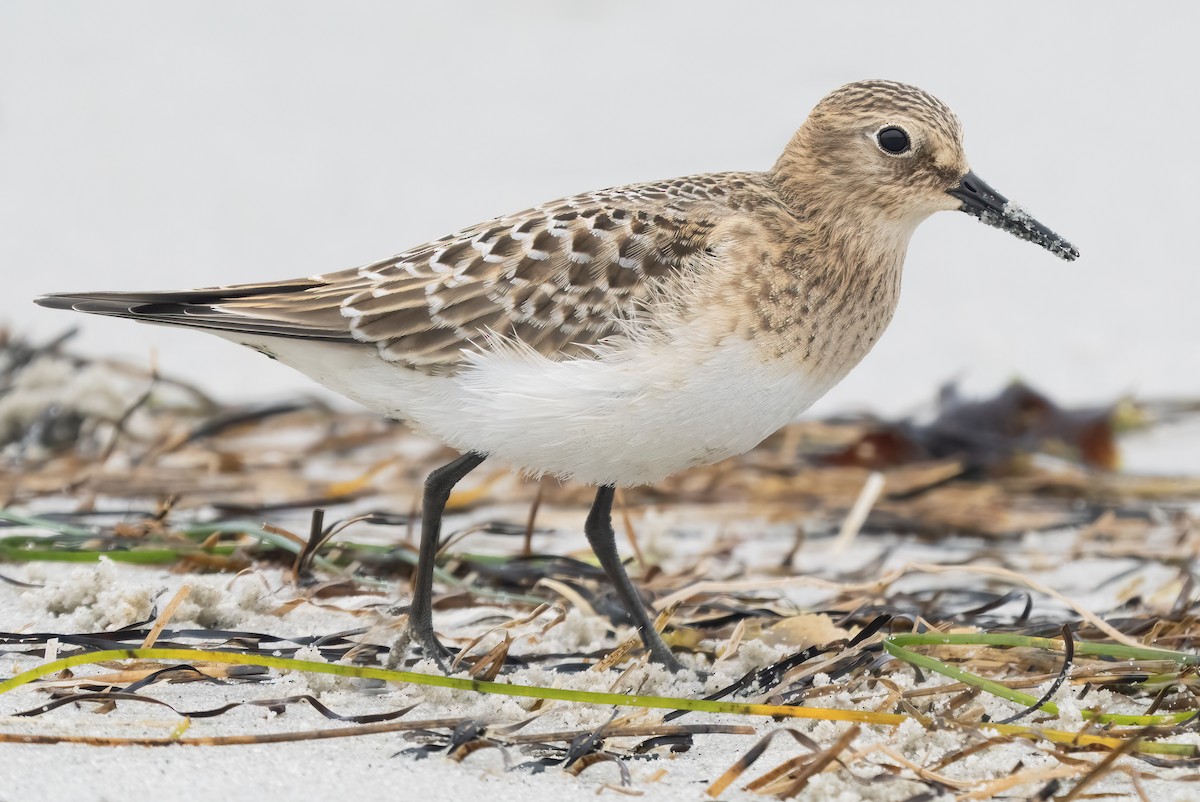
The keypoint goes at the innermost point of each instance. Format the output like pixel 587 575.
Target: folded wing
pixel 558 278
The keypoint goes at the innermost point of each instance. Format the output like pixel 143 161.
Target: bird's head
pixel 889 151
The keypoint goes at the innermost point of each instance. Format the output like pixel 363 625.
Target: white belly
pixel 626 418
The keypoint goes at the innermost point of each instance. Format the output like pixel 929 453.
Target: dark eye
pixel 894 140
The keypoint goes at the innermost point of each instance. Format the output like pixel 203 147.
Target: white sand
pixel 84 598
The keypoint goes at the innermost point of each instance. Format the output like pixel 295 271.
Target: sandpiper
pixel 618 336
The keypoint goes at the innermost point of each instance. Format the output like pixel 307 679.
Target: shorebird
pixel 618 336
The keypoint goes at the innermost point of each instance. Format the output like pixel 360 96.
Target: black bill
pixel 992 208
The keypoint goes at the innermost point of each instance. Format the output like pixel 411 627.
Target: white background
pixel 151 145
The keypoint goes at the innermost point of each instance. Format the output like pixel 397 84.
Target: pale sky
pixel 154 146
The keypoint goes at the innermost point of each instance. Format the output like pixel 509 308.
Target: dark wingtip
pixel 95 303
pixel 55 301
pixel 197 309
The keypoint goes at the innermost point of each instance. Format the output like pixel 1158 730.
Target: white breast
pixel 628 417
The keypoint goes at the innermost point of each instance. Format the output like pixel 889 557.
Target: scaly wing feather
pixel 558 278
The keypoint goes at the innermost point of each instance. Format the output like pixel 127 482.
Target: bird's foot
pixel 659 651
pixel 428 644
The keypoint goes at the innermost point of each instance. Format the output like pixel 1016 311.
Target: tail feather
pixel 207 309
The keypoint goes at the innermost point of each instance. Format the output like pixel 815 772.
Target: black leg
pixel 437 491
pixel 600 535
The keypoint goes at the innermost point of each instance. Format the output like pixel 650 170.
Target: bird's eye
pixel 894 140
